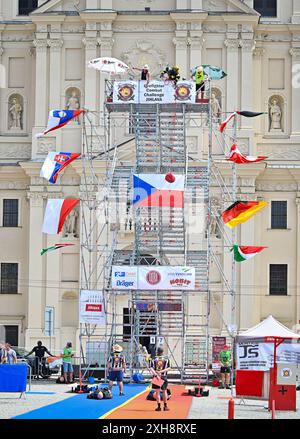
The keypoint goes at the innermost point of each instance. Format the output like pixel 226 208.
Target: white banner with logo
pixel 259 356
pixel 91 307
pixel 153 278
pixel 154 92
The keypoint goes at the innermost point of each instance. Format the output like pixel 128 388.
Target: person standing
pixel 67 362
pixel 198 77
pixel 159 367
pixel 116 368
pixel 39 350
pixel 10 354
pixel 145 73
pixel 225 360
pixel 3 356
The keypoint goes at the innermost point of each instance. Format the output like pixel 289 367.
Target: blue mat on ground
pixel 40 393
pixel 79 407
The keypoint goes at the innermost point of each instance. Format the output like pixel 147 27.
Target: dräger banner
pixel 91 309
pixel 153 278
pixel 155 92
pixel 259 356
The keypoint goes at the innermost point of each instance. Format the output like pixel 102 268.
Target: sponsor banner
pixel 153 278
pixel 91 307
pixel 155 92
pixel 124 278
pixel 218 344
pixel 259 356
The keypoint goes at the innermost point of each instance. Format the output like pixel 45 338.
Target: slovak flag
pixel 56 212
pixel 158 190
pixel 55 162
pixel 58 119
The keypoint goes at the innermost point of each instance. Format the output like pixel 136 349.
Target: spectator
pixel 39 351
pixel 3 356
pixel 10 354
pixel 225 360
pixel 67 362
pixel 160 366
pixel 116 368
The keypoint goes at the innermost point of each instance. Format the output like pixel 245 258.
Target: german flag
pixel 241 211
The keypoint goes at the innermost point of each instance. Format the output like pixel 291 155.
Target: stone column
pixel 247 88
pixel 91 75
pixel 181 42
pixel 298 260
pixel 258 103
pixel 232 74
pixel 36 289
pixel 106 43
pixel 295 53
pixel 41 102
pixel 55 70
pixel 196 44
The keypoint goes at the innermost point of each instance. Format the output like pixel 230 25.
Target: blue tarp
pixel 13 377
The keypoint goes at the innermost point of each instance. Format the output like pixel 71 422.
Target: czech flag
pixel 245 253
pixel 237 157
pixel 57 210
pixel 158 190
pixel 241 211
pixel 240 113
pixel 58 119
pixel 55 163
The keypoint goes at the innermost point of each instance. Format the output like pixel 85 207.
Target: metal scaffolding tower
pixel 115 234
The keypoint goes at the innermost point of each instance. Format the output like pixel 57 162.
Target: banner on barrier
pixel 260 356
pixel 153 278
pixel 91 307
pixel 154 92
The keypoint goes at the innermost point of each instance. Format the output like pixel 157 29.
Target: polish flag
pixel 56 212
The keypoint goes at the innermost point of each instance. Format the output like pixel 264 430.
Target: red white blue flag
pixel 158 190
pixel 55 162
pixel 58 119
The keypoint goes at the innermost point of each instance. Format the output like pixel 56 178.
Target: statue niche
pixel 216 104
pixel 276 114
pixel 73 97
pixel 71 226
pixel 15 112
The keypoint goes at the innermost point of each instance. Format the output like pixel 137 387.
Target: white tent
pixel 269 327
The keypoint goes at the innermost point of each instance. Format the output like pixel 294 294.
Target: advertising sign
pixel 153 92
pixel 218 344
pixel 153 278
pixel 91 307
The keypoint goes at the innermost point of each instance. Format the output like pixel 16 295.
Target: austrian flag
pixel 57 210
pixel 245 253
pixel 237 157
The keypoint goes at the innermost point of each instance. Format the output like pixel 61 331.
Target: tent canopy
pixel 269 327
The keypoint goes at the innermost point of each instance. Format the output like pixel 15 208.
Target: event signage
pixel 91 307
pixel 218 344
pixel 154 92
pixel 153 278
pixel 259 356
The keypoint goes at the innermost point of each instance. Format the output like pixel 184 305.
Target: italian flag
pixel 54 247
pixel 245 253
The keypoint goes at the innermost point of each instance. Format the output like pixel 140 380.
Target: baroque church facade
pixel 45 47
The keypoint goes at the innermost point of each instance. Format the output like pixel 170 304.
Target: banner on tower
pixel 154 92
pixel 91 307
pixel 153 278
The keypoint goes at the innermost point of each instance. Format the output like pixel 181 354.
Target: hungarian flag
pixel 54 247
pixel 158 190
pixel 57 210
pixel 241 211
pixel 237 157
pixel 55 162
pixel 240 113
pixel 58 119
pixel 245 253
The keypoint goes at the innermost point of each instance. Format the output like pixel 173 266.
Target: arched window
pixel 27 6
pixel 267 8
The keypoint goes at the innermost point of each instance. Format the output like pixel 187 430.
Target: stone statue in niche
pixel 215 107
pixel 73 102
pixel 15 111
pixel 71 224
pixel 275 115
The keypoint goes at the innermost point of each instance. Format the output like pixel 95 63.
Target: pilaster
pixel 295 54
pixel 232 45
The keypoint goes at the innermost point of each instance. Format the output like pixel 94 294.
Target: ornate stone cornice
pixel 90 43
pixel 295 52
pixel 231 44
